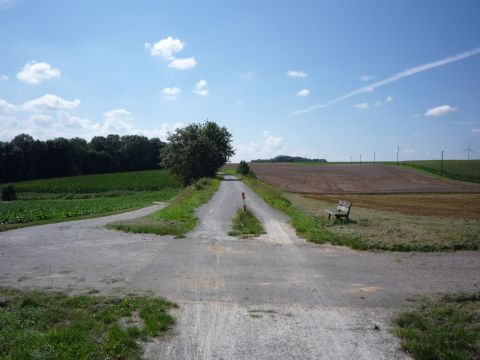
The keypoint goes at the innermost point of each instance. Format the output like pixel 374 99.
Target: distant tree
pixel 243 168
pixel 197 150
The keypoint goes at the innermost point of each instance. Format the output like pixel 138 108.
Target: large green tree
pixel 197 150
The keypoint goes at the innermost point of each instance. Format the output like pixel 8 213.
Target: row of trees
pixel 25 158
pixel 195 151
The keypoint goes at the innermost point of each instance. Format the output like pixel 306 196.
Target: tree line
pixel 25 158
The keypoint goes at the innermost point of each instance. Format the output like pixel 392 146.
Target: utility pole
pixel 374 157
pixel 360 159
pixel 441 167
pixel 398 151
pixel 351 160
pixel 468 151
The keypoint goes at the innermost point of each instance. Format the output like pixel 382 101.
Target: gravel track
pixel 271 297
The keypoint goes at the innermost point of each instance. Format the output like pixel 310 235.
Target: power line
pixel 468 151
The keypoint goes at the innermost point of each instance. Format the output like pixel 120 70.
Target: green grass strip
pixel 245 224
pixel 312 228
pixel 179 217
pixel 448 328
pixel 36 325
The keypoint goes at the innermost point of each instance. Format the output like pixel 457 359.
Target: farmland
pixel 464 170
pixel 355 179
pixel 394 208
pixel 60 199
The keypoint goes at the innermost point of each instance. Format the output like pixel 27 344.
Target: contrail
pixel 393 78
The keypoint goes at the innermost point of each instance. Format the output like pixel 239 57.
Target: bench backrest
pixel 344 206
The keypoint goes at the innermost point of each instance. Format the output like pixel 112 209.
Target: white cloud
pixel 5 4
pixel 303 92
pixel 35 72
pixel 361 106
pixel 377 103
pixel 6 107
pixel 393 78
pixel 416 134
pixel 296 74
pixel 476 130
pixel 64 124
pixel 440 110
pixel 171 93
pixel 409 150
pixel 165 47
pixel 239 102
pixel 270 146
pixel 366 77
pixel 50 102
pixel 201 88
pixel 4 77
pixel 249 75
pixel 183 64
pixel 389 99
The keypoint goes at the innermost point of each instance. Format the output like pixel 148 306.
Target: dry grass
pixel 455 206
pixel 396 230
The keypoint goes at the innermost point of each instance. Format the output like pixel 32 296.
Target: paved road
pixel 273 297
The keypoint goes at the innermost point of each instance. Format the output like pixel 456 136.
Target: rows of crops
pixel 464 170
pixel 60 199
pixel 151 180
pixel 31 211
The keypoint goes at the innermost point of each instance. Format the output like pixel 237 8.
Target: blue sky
pixel 327 79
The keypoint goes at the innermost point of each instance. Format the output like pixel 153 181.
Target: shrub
pixel 9 193
pixel 243 168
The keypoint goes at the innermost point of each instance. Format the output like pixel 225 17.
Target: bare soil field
pixel 355 179
pixel 455 206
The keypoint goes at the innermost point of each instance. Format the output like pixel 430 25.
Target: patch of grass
pixel 150 180
pixel 245 224
pixel 464 170
pixel 36 325
pixel 395 231
pixel 179 217
pixel 311 227
pixel 448 328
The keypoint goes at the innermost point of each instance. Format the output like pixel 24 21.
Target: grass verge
pixel 311 227
pixel 245 224
pixel 447 328
pixel 36 325
pixel 176 219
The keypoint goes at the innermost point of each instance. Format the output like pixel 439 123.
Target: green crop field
pixel 150 180
pixel 60 199
pixel 464 170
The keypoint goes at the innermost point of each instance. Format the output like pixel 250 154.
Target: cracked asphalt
pixel 271 297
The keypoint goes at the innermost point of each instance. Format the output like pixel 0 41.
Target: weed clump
pixel 9 193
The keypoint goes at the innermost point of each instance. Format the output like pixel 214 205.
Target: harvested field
pixel 456 206
pixel 359 179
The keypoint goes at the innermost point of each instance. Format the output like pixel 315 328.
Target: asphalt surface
pixel 271 297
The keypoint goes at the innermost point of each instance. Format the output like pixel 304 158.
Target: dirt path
pixel 274 297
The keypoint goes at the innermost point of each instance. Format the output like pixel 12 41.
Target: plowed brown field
pixel 355 179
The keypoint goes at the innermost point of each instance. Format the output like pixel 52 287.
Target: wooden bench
pixel 342 210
